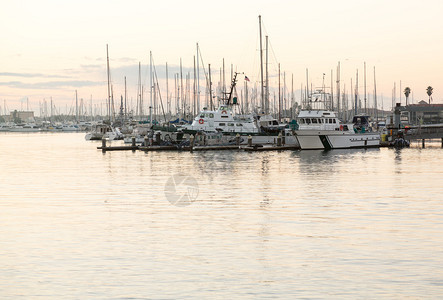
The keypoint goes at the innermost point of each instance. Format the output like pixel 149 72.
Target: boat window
pixel 211 115
pixel 308 121
pixel 230 124
pixel 314 121
pixel 345 127
pixel 333 121
pixel 224 116
pixel 202 115
pixel 222 124
pixel 239 124
pixel 330 121
pixel 301 121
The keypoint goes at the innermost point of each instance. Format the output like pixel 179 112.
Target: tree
pixel 429 92
pixel 407 91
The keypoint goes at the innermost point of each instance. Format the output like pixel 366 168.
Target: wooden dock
pixel 215 147
pixel 118 148
pixel 270 148
pixel 158 148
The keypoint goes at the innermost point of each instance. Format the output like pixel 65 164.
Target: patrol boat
pixel 321 129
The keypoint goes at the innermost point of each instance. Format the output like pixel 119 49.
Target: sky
pixel 50 49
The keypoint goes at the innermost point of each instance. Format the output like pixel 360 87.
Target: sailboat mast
pixel 210 88
pixel 261 65
pixel 168 108
pixel 366 111
pixel 198 82
pixel 356 94
pixel 76 107
pixel 109 85
pixel 279 95
pixel 151 87
pixel 375 97
pixel 267 79
pixel 338 89
pixel 126 95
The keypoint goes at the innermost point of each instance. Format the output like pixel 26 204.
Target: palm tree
pixel 407 91
pixel 429 92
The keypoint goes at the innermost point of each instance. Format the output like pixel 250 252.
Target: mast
pixel 338 89
pixel 210 88
pixel 194 89
pixel 307 88
pixel 356 95
pixel 76 107
pixel 279 95
pixel 167 91
pixel 267 80
pixel 109 86
pixel 151 88
pixel 332 92
pixel 261 65
pixel 292 95
pixel 181 88
pixel 366 111
pixel 375 97
pixel 126 95
pixel 198 82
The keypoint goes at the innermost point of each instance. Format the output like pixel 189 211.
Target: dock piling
pixel 103 145
pixel 279 140
pixel 250 141
pixel 191 142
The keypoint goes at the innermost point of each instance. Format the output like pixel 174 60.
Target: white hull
pixel 327 139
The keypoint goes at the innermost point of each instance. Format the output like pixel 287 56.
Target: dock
pixel 270 148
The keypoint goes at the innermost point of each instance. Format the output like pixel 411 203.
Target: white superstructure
pixel 222 120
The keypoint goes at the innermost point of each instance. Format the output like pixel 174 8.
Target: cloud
pixel 32 75
pixel 51 84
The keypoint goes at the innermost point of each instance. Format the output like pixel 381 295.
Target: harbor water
pixel 76 223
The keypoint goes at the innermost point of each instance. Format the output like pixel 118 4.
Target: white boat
pixel 5 127
pixel 222 120
pixel 70 127
pixel 103 131
pixel 25 128
pixel 321 129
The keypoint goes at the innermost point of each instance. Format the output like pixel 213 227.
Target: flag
pixel 246 78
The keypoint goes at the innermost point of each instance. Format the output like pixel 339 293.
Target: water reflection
pixel 290 224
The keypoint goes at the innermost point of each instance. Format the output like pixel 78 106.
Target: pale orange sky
pixel 52 48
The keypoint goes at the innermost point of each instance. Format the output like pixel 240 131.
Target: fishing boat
pixel 225 121
pixel 321 129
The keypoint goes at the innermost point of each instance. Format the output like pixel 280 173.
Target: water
pixel 352 224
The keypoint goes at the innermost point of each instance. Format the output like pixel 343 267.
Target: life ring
pixel 341 127
pixel 201 121
pixel 224 112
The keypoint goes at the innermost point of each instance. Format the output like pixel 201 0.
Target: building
pixel 422 113
pixel 20 116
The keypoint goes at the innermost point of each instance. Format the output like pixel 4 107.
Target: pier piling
pixel 191 142
pixel 237 139
pixel 103 145
pixel 279 140
pixel 250 141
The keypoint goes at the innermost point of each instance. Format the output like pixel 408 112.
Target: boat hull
pixel 326 139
